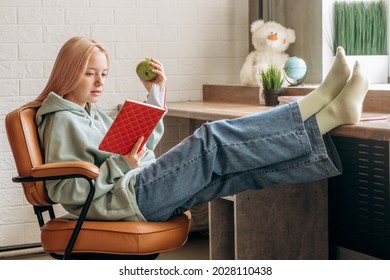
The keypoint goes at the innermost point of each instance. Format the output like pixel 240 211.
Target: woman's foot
pixel 346 108
pixel 329 89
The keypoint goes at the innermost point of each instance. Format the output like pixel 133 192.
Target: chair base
pixel 96 256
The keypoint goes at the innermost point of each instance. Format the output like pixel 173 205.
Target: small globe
pixel 295 70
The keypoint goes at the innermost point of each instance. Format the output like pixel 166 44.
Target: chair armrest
pixel 68 168
pixel 63 170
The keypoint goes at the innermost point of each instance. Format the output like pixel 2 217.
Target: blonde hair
pixel 70 65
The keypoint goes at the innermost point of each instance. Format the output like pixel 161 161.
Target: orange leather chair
pixel 74 237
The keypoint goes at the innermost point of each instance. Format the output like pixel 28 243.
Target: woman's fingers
pixel 137 145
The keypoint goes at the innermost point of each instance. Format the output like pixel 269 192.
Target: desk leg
pixel 283 222
pixel 221 228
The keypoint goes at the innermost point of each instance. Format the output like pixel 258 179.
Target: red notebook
pixel 135 119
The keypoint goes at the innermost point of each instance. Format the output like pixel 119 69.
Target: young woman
pixel 287 144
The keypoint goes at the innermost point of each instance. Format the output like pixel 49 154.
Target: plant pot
pixel 271 97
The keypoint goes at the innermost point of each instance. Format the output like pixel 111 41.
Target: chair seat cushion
pixel 117 237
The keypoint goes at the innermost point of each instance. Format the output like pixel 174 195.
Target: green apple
pixel 144 70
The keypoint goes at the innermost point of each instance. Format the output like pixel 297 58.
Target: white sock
pixel 329 89
pixel 346 108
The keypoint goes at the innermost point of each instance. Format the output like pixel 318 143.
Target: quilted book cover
pixel 135 119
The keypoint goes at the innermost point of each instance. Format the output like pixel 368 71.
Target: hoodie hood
pixel 55 103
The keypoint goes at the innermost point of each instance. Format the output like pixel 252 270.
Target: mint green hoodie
pixel 67 132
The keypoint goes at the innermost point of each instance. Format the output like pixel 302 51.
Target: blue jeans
pixel 229 156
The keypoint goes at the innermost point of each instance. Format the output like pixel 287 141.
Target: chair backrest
pixel 23 139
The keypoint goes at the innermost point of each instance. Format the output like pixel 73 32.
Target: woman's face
pixel 91 84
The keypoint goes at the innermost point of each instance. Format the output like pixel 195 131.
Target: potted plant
pixel 361 29
pixel 272 81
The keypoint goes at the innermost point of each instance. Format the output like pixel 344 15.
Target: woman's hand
pixel 160 80
pixel 134 158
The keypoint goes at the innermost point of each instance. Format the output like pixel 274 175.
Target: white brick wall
pixel 199 41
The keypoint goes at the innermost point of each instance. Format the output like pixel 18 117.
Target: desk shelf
pixel 282 222
pixel 360 198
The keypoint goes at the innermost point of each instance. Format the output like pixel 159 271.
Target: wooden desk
pixel 284 222
pixel 211 111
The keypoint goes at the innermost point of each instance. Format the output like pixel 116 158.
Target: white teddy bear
pixel 270 40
